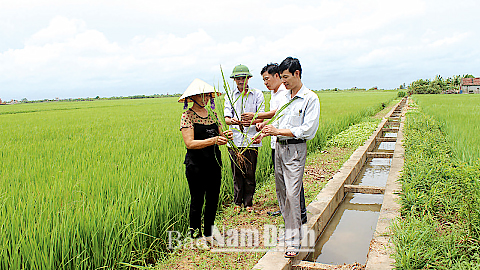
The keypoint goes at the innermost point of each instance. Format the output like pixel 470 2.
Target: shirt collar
pixel 238 91
pixel 300 94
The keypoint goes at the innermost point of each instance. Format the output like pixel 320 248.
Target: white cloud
pixel 101 45
pixel 169 44
pixel 449 40
pixel 65 45
pixel 61 29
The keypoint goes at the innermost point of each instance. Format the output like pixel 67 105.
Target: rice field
pixel 439 226
pixel 460 119
pixel 86 185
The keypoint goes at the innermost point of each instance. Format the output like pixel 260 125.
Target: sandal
pixel 291 252
pixel 250 209
pixel 202 244
pixel 237 208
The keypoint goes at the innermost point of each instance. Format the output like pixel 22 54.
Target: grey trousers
pixel 289 167
pixel 303 208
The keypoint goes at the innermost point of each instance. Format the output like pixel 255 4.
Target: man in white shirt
pixel 298 124
pixel 271 79
pixel 240 100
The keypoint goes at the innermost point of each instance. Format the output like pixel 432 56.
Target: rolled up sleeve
pixel 228 110
pixel 260 100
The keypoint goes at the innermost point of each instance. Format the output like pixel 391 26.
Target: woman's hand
pixel 221 140
pixel 228 134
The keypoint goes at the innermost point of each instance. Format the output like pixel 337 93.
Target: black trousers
pixel 303 208
pixel 204 183
pixel 244 177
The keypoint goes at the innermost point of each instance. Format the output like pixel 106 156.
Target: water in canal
pixel 346 238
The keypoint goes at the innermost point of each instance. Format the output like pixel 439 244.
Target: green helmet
pixel 240 71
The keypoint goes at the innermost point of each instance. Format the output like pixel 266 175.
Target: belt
pixel 291 141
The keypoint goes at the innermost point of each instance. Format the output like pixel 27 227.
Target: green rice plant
pixel 460 119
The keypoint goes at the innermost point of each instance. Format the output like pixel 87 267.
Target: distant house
pixel 470 86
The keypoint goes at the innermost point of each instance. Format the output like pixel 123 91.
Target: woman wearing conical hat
pixel 203 162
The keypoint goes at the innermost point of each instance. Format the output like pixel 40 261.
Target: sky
pixel 89 48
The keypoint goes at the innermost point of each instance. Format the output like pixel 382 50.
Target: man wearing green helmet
pixel 239 100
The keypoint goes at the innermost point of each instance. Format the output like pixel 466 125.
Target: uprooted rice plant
pixel 439 226
pixel 96 184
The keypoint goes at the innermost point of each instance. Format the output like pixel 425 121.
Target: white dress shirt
pixel 302 116
pixel 253 101
pixel 276 101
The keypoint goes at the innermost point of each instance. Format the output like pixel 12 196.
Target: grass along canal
pixel 439 226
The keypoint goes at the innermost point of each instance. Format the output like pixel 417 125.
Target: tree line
pixel 438 85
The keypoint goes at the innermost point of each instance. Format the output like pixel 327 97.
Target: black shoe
pixel 274 213
pixel 304 219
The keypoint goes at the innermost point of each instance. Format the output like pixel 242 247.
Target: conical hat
pixel 197 87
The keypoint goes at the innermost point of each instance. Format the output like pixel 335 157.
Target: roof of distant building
pixel 470 81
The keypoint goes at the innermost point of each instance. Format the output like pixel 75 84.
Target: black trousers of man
pixel 244 176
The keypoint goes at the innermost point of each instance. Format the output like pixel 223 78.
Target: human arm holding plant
pixel 261 115
pixel 227 133
pixel 247 122
pixel 252 118
pixel 261 126
pixel 270 130
pixel 232 121
pixel 191 143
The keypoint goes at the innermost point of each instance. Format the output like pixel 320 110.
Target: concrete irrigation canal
pixel 348 220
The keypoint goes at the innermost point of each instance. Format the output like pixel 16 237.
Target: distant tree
pixel 97 97
pixel 468 76
pixel 24 100
pixel 418 87
pixel 436 86
pixel 457 80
